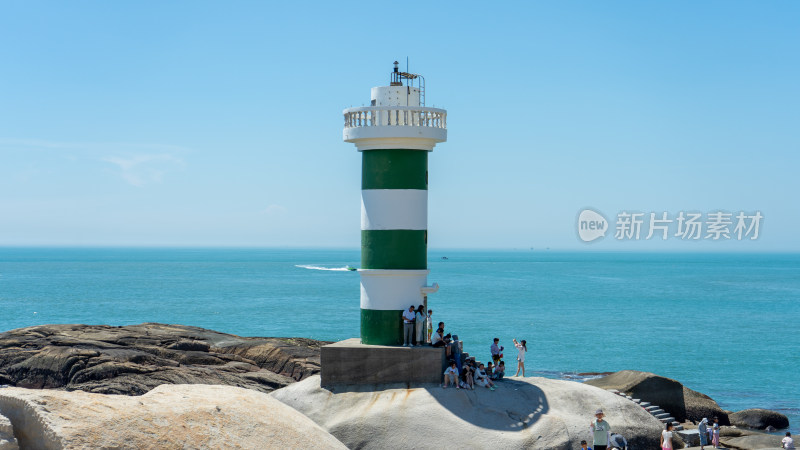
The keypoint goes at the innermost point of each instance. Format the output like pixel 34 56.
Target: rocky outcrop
pixel 134 359
pixel 664 392
pixel 731 437
pixel 678 400
pixel 535 413
pixel 699 406
pixel 167 417
pixel 759 419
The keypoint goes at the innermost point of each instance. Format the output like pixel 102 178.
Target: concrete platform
pixel 351 362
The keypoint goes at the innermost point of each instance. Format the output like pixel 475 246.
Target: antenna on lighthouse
pixel 398 77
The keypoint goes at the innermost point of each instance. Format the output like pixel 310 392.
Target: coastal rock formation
pixel 664 392
pixel 681 402
pixel 167 417
pixel 745 439
pixel 134 359
pixel 759 419
pixel 536 413
pixel 699 406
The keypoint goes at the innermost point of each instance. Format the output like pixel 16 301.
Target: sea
pixel 724 324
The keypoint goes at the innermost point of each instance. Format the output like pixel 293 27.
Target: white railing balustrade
pixel 400 116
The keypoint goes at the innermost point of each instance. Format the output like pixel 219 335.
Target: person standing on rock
pixel 429 321
pixel 408 327
pixel 522 348
pixel 702 430
pixel 715 433
pixel 419 323
pixel 600 430
pixel 666 437
pixel 496 350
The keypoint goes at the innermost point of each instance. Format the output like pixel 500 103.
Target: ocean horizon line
pixel 430 249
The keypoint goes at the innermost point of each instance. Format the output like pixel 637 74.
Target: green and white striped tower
pixel 394 135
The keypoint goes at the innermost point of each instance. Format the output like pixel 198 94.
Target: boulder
pixel 664 392
pixel 167 417
pixel 759 419
pixel 535 413
pixel 752 441
pixel 134 359
pixel 699 406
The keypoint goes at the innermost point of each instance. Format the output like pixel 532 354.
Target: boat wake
pixel 335 269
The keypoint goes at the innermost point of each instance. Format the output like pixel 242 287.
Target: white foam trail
pixel 335 269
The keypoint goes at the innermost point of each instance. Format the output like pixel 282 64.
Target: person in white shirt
pixel 787 442
pixel 451 375
pixel 438 338
pixel 522 347
pixel 666 438
pixel 481 379
pixel 419 324
pixel 408 326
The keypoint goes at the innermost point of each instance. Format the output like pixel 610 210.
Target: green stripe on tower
pixel 381 327
pixel 394 169
pixel 394 249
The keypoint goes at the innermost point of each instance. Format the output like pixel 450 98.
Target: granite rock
pixel 759 419
pixel 526 413
pixel 134 359
pixel 167 417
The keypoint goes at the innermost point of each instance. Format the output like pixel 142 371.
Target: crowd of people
pixel 463 373
pixel 466 373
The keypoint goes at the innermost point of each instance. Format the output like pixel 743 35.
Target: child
pixel 787 442
pixel 500 370
pixel 585 446
pixel 715 439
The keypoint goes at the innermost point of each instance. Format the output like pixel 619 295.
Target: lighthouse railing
pixel 401 116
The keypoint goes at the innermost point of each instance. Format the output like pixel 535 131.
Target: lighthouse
pixel 394 135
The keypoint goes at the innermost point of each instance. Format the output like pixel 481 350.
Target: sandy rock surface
pixel 7 439
pixel 167 417
pixel 133 359
pixel 535 413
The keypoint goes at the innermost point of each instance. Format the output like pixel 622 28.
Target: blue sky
pixel 219 123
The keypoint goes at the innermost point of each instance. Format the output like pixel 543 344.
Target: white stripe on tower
pixel 391 289
pixel 394 209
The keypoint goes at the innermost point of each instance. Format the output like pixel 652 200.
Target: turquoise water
pixel 723 324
